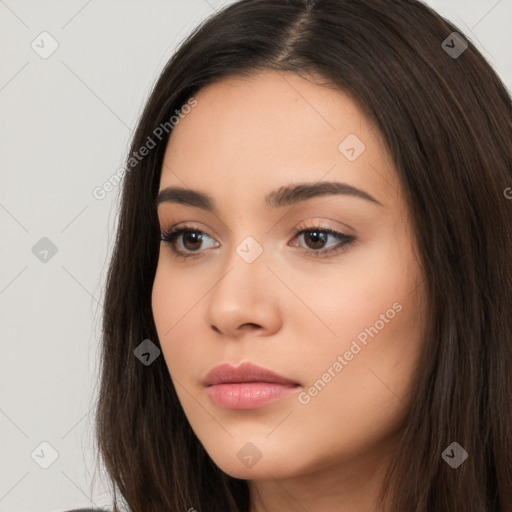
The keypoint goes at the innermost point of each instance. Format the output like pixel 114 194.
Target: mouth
pixel 246 386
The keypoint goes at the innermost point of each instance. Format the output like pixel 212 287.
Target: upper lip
pixel 245 372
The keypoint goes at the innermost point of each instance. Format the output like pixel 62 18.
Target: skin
pixel 289 310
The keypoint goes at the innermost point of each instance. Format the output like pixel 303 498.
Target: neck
pixel 350 486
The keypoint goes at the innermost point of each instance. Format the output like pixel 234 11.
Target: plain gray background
pixel 65 123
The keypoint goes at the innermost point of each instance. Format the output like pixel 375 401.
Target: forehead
pixel 252 134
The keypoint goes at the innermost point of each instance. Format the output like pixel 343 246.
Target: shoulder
pixel 86 510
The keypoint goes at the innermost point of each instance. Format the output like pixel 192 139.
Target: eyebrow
pixel 284 196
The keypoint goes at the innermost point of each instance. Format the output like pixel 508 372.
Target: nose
pixel 245 298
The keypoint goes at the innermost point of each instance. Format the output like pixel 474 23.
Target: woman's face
pixel 340 317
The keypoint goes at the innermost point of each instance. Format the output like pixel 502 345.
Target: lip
pixel 246 386
pixel 244 372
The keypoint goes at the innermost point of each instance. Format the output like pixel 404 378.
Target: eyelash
pixel 169 238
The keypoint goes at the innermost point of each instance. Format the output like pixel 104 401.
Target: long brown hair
pixel 447 121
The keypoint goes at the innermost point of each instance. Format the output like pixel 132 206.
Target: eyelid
pixel 319 223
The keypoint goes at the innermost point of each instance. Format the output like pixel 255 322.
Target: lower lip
pixel 248 395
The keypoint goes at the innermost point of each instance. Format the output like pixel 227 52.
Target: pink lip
pixel 246 386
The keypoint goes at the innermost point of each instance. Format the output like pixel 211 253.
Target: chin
pixel 250 463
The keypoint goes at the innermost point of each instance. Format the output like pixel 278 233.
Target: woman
pixel 309 300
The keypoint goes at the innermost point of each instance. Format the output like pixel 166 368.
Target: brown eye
pixel 191 240
pixel 316 237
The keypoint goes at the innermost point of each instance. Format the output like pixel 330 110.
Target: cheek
pixel 349 297
pixel 162 302
pixel 362 399
pixel 174 294
pixel 374 307
pixel 172 301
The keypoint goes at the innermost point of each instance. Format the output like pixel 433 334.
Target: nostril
pixel 250 325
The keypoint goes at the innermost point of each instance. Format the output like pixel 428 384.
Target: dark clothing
pixel 87 510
